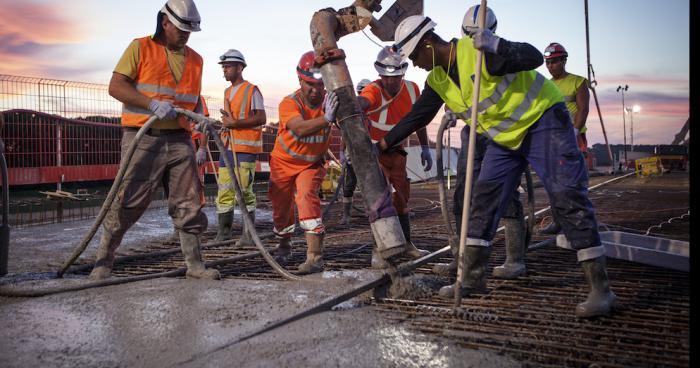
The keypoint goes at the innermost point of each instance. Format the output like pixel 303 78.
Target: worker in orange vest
pixel 296 163
pixel 386 101
pixel 155 75
pixel 243 118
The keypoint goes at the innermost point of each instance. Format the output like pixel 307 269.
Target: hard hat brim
pixel 180 23
pixel 406 46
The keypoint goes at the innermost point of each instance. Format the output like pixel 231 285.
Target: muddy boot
pixel 377 261
pixel 104 259
pixel 314 255
pixel 601 300
pixel 411 250
pixel 225 221
pixel 189 243
pixel 283 250
pixel 347 207
pixel 246 239
pixel 514 265
pixel 552 229
pixel 175 236
pixel 476 262
pixel 448 269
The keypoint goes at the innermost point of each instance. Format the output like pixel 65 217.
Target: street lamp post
pixel 624 129
pixel 631 111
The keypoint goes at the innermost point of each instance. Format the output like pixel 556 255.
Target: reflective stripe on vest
pixel 381 124
pixel 244 140
pixel 155 80
pixel 310 148
pixel 569 86
pixel 508 105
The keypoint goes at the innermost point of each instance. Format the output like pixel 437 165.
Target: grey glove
pixel 164 110
pixel 330 105
pixel 485 40
pixel 451 117
pixel 426 159
pixel 201 156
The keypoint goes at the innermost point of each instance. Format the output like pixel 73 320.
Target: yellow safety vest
pixel 569 86
pixel 508 105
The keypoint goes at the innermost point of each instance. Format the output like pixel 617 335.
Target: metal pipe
pixel 326 26
pixel 5 227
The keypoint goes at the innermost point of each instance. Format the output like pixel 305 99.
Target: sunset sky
pixel 641 43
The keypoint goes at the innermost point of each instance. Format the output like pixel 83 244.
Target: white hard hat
pixel 470 23
pixel 232 55
pixel 362 84
pixel 409 32
pixel 183 14
pixel 389 63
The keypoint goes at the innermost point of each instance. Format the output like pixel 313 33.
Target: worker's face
pixel 232 71
pixel 422 55
pixel 556 66
pixel 313 91
pixel 175 39
pixel 392 85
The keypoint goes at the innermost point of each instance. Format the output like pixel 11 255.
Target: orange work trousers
pixel 393 165
pixel 289 185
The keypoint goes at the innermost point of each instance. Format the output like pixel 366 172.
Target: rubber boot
pixel 314 255
pixel 347 207
pixel 514 265
pixel 246 239
pixel 189 243
pixel 601 300
pixel 411 250
pixel 377 261
pixel 476 261
pixel 225 222
pixel 175 236
pixel 104 258
pixel 448 269
pixel 283 250
pixel 552 229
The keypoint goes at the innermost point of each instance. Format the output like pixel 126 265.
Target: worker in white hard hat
pixel 349 180
pixel 243 118
pixel 154 75
pixel 524 116
pixel 386 101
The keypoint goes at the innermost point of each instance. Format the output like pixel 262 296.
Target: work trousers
pixel 290 186
pixel 226 195
pixel 349 181
pixel 393 165
pixel 168 160
pixel 550 147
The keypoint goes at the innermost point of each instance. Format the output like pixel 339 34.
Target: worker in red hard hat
pixel 297 163
pixel 576 97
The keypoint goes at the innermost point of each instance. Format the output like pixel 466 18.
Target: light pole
pixel 624 129
pixel 631 111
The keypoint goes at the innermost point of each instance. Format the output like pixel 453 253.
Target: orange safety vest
pixel 380 123
pixel 155 80
pixel 238 107
pixel 294 148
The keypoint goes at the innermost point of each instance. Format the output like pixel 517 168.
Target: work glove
pixel 426 159
pixel 485 40
pixel 164 110
pixel 451 117
pixel 201 156
pixel 330 105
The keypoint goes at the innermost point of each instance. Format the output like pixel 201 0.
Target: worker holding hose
pixel 386 101
pixel 154 75
pixel 296 163
pixel 524 116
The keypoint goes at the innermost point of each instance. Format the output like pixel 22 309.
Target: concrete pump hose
pixel 206 122
pixel 530 205
pixel 454 241
pixel 110 197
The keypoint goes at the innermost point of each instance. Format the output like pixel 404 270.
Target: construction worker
pixel 386 101
pixel 154 75
pixel 350 180
pixel 516 237
pixel 524 116
pixel 296 163
pixel 576 96
pixel 242 117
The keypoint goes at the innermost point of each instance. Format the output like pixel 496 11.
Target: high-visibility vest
pixel 508 105
pixel 568 86
pixel 238 106
pixel 155 80
pixel 309 149
pixel 379 122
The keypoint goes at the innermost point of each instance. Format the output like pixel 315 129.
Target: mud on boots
pixel 347 207
pixel 246 239
pixel 104 259
pixel 411 250
pixel 314 254
pixel 474 275
pixel 225 222
pixel 516 246
pixel 283 250
pixel 191 250
pixel 601 300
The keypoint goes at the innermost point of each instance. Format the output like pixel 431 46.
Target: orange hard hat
pixel 555 50
pixel 307 68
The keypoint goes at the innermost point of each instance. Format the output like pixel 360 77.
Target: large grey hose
pixel 453 240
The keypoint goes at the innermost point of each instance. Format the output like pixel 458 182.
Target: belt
pixel 158 132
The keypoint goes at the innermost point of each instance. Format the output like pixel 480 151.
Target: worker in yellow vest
pixel 154 75
pixel 523 114
pixel 242 117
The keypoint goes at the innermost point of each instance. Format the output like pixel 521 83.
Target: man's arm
pixel 582 100
pixel 512 57
pixel 422 135
pixel 304 128
pixel 122 88
pixel 422 112
pixel 257 118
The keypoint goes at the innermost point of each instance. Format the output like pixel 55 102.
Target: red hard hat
pixel 307 69
pixel 555 50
